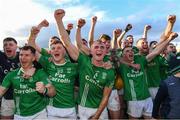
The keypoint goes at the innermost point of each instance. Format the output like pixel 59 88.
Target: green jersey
pixel 135 84
pixel 164 68
pixel 118 53
pixel 27 100
pixel 93 80
pixel 45 53
pixel 153 71
pixel 63 78
pixel 135 49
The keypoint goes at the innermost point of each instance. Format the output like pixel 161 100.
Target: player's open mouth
pixel 56 55
pixel 8 51
pixel 98 54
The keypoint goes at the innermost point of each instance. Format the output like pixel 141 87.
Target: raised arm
pixel 72 50
pixel 91 32
pixel 79 43
pixel 171 20
pixel 161 47
pixel 119 39
pixel 34 33
pixel 146 29
pixel 116 34
pixel 69 27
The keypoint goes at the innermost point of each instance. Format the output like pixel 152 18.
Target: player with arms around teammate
pixel 30 87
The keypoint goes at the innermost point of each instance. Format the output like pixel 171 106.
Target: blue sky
pixel 18 16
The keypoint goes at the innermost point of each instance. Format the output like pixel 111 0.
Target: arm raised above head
pixel 72 50
pixel 91 31
pixel 79 43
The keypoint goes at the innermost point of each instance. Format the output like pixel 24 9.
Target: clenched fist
pixel 128 27
pixel 147 27
pixel 59 14
pixel 69 26
pixel 34 30
pixel 81 22
pixel 173 35
pixel 40 87
pixel 117 32
pixel 94 19
pixel 43 23
pixel 172 18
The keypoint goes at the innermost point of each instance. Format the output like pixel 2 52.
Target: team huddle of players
pixel 84 81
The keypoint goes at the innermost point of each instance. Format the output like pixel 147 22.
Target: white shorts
pixel 153 91
pixel 7 107
pixel 85 113
pixel 121 91
pixel 142 107
pixel 113 102
pixel 56 113
pixel 42 115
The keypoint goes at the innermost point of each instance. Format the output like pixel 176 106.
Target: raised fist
pixel 128 27
pixel 35 30
pixel 81 22
pixel 69 26
pixel 40 87
pixel 43 23
pixel 59 14
pixel 172 18
pixel 147 27
pixel 117 32
pixel 94 19
pixel 173 35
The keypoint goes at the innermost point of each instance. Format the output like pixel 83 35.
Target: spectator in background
pixel 167 99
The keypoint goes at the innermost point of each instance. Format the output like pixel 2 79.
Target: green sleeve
pixel 44 52
pixel 44 62
pixel 162 61
pixel 7 80
pixel 82 60
pixel 110 78
pixel 144 60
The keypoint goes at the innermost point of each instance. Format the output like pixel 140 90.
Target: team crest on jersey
pixel 104 75
pixel 60 70
pixel 96 74
pixel 68 70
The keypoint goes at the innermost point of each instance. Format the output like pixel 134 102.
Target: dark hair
pixel 152 42
pixel 125 48
pixel 129 36
pixel 55 37
pixel 9 39
pixel 56 42
pixel 105 36
pixel 27 47
pixel 174 62
pixel 170 44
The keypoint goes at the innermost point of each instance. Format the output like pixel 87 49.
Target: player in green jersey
pixel 96 82
pixel 62 74
pixel 136 88
pixel 30 87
